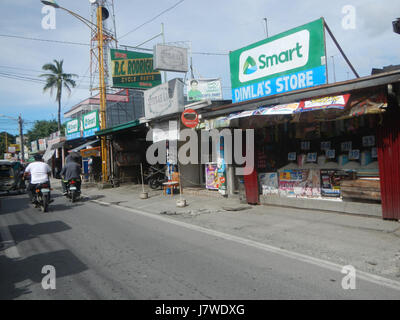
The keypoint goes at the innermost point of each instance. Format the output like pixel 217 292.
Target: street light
pixel 102 14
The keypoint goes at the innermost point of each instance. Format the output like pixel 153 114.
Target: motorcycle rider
pixel 39 172
pixel 71 170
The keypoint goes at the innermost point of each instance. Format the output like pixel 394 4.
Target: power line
pixel 152 19
pixel 44 40
pixel 32 70
pixel 85 44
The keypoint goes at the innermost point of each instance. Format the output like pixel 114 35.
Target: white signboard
pixel 202 89
pixel 167 98
pixel 170 58
pixel 42 144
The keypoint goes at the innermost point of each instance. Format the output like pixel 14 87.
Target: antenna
pixel 266 26
pixel 110 26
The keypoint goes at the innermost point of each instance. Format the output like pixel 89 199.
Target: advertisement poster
pixel 336 102
pixel 212 180
pixel 268 183
pixel 330 183
pixel 300 183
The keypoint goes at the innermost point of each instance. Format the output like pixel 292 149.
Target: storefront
pixel 323 143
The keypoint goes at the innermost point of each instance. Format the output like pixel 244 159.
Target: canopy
pixel 48 154
pixel 83 146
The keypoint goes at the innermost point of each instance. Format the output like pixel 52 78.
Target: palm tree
pixel 58 80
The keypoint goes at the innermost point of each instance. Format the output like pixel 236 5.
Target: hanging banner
pixel 202 89
pixel 279 110
pixel 289 61
pixel 34 146
pixel 42 144
pixel 335 102
pixel 133 70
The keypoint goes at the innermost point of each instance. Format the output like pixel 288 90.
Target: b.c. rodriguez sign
pixel 292 60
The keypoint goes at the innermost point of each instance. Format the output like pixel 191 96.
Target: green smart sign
pixel 292 60
pixel 90 123
pixel 133 70
pixel 72 129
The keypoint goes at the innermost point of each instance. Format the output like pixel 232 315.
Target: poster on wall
pixel 212 179
pixel 300 183
pixel 330 183
pixel 268 183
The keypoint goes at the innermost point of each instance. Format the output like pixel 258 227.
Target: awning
pixel 120 127
pixel 331 107
pixel 48 154
pixel 58 145
pixel 83 146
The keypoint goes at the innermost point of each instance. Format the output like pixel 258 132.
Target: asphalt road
pixel 103 252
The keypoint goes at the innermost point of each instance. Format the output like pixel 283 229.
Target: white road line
pixel 11 250
pixel 265 247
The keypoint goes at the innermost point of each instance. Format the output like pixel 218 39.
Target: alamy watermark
pixel 231 150
pixel 349 280
pixel 49 280
pixel 49 19
pixel 350 19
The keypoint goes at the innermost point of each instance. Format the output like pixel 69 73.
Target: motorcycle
pixel 41 196
pixel 155 177
pixel 73 192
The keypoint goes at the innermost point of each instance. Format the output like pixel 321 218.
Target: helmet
pixel 38 157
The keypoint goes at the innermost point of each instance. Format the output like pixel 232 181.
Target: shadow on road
pixel 12 272
pixel 22 232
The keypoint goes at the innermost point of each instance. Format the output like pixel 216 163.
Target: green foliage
pixel 42 129
pixel 10 140
pixel 57 80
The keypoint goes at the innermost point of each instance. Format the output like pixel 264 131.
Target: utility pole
pixel 266 26
pixel 334 70
pixel 21 137
pixel 163 40
pixel 5 133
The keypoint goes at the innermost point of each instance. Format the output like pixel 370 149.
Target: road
pixel 106 252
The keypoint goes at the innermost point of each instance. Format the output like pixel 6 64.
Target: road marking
pixel 265 247
pixel 11 250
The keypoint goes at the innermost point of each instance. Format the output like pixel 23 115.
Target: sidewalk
pixel 368 243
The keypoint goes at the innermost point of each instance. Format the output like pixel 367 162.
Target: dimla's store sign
pixel 292 60
pixel 133 70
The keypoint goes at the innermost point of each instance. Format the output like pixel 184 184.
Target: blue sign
pixel 287 83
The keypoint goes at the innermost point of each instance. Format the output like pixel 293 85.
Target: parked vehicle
pixel 155 177
pixel 73 190
pixel 11 174
pixel 41 196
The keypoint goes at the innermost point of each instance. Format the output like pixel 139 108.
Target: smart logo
pixel 275 57
pixel 250 66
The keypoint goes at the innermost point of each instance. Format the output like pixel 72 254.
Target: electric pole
pixel 266 26
pixel 334 70
pixel 21 137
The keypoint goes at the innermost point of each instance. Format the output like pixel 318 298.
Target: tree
pixel 42 129
pixel 57 80
pixel 10 140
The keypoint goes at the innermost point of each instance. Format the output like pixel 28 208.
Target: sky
pixel 208 26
